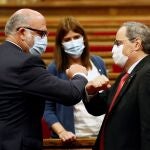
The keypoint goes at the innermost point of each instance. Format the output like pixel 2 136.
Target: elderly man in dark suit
pixel 25 82
pixel 127 105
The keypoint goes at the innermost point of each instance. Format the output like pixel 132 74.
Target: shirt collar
pixel 133 66
pixel 14 44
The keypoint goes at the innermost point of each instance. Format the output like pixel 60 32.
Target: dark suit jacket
pixel 24 85
pixel 128 123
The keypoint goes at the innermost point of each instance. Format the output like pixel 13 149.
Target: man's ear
pixel 138 44
pixel 21 32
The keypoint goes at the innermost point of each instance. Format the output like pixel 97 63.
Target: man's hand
pixel 74 69
pixel 99 83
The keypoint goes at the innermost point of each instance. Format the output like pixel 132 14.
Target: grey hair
pixel 15 21
pixel 138 30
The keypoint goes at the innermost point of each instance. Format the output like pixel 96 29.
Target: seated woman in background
pixel 69 122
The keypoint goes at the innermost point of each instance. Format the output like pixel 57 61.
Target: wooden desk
pixel 79 144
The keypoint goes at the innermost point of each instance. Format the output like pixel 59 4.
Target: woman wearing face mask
pixel 69 122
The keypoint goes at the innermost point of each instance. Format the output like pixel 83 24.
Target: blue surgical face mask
pixel 39 46
pixel 74 48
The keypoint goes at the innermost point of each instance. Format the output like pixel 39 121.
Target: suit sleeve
pixel 144 109
pixel 36 80
pixel 97 105
pixel 50 113
pixel 50 106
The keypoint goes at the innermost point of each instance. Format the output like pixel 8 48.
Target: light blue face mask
pixel 39 46
pixel 74 48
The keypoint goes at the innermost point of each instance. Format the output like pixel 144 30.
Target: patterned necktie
pixel 121 83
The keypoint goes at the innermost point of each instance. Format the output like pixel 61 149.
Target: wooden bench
pixel 80 143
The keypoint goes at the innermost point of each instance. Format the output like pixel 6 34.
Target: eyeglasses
pixel 120 42
pixel 40 32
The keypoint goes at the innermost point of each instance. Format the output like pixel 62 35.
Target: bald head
pixel 27 11
pixel 24 17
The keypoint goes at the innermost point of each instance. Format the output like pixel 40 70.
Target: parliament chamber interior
pixel 100 19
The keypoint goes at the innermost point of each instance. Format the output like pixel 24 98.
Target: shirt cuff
pixel 79 73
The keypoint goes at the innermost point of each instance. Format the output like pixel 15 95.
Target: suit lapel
pixel 123 90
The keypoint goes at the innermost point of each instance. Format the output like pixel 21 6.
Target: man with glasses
pixel 25 83
pixel 126 125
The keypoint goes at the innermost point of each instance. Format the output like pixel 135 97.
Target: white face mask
pixel 118 57
pixel 74 47
pixel 39 46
